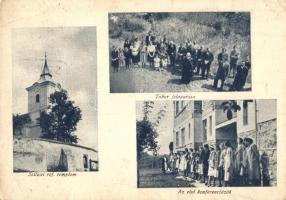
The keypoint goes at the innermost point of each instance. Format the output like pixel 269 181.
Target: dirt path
pixel 148 80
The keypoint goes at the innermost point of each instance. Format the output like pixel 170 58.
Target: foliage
pixel 229 107
pixel 146 135
pixel 19 121
pixel 59 122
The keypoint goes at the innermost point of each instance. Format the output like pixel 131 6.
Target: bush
pixel 133 25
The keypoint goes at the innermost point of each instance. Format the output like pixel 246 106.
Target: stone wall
pixel 45 155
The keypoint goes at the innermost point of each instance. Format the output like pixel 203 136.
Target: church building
pixel 38 100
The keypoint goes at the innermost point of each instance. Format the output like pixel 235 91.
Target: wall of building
pixel 44 155
pixel 44 90
pixel 198 130
pixel 182 120
pixel 266 109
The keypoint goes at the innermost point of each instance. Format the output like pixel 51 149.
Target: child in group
pixel 157 62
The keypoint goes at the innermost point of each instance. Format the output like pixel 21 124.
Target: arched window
pixel 37 98
pixel 85 164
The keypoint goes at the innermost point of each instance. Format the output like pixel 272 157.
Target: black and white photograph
pixel 207 143
pixel 179 52
pixel 54 99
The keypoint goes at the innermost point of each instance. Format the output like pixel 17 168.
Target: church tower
pixel 38 99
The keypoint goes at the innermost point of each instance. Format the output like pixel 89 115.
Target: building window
pixel 183 137
pixel 182 104
pixel 210 125
pixel 189 131
pixel 177 138
pixel 177 107
pixel 85 161
pixel 245 113
pixel 204 129
pixel 37 98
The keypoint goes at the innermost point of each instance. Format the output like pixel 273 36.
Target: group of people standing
pixel 221 165
pixel 189 56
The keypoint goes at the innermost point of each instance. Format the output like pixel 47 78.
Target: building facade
pixel 187 132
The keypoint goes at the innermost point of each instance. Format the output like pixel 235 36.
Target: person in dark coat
pixel 172 54
pixel 233 61
pixel 239 79
pixel 127 57
pixel 181 53
pixel 115 59
pixel 223 68
pixel 208 58
pixel 127 43
pixel 248 66
pixel 148 38
pixel 187 71
pixel 205 160
pixel 199 60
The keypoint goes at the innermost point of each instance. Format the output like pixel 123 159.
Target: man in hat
pixel 251 163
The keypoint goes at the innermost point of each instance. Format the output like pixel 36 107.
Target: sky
pixel 165 128
pixel 71 56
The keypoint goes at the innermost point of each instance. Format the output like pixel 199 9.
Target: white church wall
pixel 44 155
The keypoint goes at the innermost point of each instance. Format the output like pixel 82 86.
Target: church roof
pixel 45 75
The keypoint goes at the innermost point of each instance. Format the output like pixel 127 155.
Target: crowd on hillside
pixel 189 58
pixel 221 165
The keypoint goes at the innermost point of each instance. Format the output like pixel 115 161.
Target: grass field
pixel 212 30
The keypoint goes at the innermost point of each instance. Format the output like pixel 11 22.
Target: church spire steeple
pixel 46 71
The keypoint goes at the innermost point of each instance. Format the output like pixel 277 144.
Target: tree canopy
pixel 146 135
pixel 59 121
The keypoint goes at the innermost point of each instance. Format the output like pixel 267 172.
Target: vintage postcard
pixel 166 99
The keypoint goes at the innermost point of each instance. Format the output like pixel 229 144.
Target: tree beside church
pixel 59 121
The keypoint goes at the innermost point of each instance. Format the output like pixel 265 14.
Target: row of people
pixel 191 57
pixel 222 164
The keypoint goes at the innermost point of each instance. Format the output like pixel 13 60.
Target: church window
pixel 85 161
pixel 37 98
